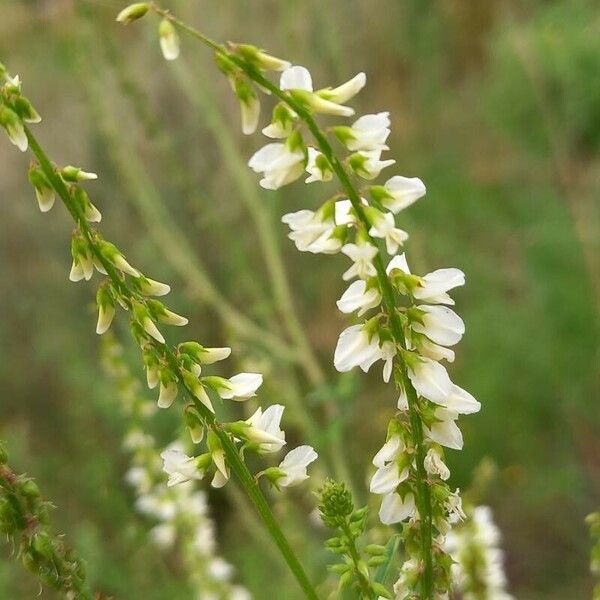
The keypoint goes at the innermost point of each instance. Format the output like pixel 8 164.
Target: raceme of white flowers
pixel 363 233
pixel 181 514
pixel 478 570
pixel 126 286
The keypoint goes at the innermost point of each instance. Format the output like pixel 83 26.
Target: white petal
pixel 394 509
pixel 296 78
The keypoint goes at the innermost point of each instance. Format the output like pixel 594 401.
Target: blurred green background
pixel 494 104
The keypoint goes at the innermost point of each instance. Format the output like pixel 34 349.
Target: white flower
pixel 355 348
pixel 296 78
pixel 317 167
pixel 440 324
pixel 430 379
pixel 434 464
pixel 436 284
pixel 428 349
pixel 387 479
pixel 389 352
pixel 369 132
pixel 294 465
pixel 106 314
pixel 311 233
pixel 385 227
pixel 433 286
pixel 343 212
pixel 149 287
pixel 389 451
pixel 362 255
pixel 346 91
pixel 402 192
pixel 395 509
pixel 169 40
pixel 359 297
pixel 368 164
pixel 327 101
pixel 278 163
pixel 167 394
pixel 454 507
pixel 180 467
pixel 461 401
pixel 445 431
pixel 241 386
pixel 389 474
pixel 265 428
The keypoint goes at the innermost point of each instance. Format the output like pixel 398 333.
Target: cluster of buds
pixel 24 520
pixel 337 512
pixel 180 514
pixel 478 569
pixel 593 520
pixel 15 109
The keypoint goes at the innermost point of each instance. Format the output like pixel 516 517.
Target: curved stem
pixel 240 469
pixel 387 291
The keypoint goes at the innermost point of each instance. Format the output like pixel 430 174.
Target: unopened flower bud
pixel 44 192
pixel 169 40
pixel 133 12
pixel 75 174
pixel 10 120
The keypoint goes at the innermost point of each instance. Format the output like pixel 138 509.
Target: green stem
pixel 387 291
pixel 363 581
pixel 240 469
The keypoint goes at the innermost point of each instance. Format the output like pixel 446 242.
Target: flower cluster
pixel 170 368
pixel 411 329
pixel 24 521
pixel 478 570
pixel 181 514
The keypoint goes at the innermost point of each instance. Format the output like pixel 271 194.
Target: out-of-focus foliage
pixel 495 105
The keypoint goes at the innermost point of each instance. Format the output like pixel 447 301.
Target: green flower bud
pixel 133 12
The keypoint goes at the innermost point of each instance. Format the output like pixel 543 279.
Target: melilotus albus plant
pixel 409 325
pixel 401 319
pixel 171 369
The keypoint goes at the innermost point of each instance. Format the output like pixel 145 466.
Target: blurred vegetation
pixel 495 105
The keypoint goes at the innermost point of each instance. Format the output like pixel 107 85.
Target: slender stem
pixel 387 291
pixel 240 469
pixel 362 580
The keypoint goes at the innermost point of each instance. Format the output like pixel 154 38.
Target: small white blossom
pixel 311 233
pixel 296 78
pixel 369 132
pixel 241 386
pixel 295 464
pixel 179 466
pixel 346 91
pixel 461 401
pixel 434 464
pixel 359 297
pixel 368 164
pixel 362 255
pixel 390 474
pixel 395 508
pixel 356 348
pixel 317 167
pixel 402 192
pixel 265 428
pixel 430 379
pixel 278 163
pixel 445 431
pixel 385 228
pixel 440 324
